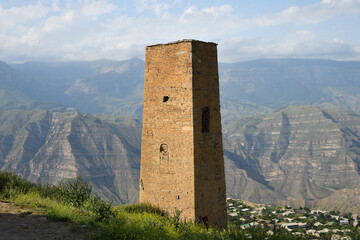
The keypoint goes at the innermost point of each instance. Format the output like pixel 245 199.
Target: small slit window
pixel 178 197
pixel 141 185
pixel 165 99
pixel 205 120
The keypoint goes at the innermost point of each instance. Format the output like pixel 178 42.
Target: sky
pixel 84 30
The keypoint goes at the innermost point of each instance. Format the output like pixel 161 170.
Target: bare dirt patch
pixel 18 223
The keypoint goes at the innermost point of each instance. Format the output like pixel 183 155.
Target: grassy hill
pixel 73 201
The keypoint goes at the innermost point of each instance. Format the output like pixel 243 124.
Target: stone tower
pixel 182 165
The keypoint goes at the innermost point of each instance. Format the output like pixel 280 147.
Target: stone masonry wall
pixel 210 191
pixel 181 166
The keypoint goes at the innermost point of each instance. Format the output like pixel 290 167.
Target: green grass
pixel 72 201
pixel 51 208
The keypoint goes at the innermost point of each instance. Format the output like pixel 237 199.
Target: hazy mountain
pixel 111 87
pixel 247 88
pixel 19 91
pixel 277 83
pixel 13 87
pixel 47 146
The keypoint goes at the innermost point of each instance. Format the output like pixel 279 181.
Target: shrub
pixel 11 184
pixel 176 218
pixel 143 208
pixel 74 191
pixel 101 209
pixel 49 191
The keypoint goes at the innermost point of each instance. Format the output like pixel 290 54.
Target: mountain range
pixel 247 88
pixel 290 127
pixel 299 152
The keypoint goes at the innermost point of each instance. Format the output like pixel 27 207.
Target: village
pixel 298 221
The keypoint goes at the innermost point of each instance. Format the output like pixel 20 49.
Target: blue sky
pixel 62 30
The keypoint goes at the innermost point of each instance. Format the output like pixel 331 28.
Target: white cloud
pixel 93 29
pixel 159 8
pixel 308 14
pixel 218 10
pixel 30 38
pixel 59 22
pixel 303 46
pixel 357 50
pixel 98 8
pixel 12 17
pixel 301 35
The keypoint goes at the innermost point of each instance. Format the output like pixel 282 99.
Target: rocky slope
pixel 300 155
pixel 298 152
pixel 47 146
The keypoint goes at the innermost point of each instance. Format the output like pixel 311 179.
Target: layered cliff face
pixel 294 153
pixel 48 146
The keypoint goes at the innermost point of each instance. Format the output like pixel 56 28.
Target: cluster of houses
pixel 301 221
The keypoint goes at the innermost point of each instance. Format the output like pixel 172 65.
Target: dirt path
pixel 17 223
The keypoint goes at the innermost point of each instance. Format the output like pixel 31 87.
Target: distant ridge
pixel 248 88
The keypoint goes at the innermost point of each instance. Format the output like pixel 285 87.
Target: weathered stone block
pixel 182 165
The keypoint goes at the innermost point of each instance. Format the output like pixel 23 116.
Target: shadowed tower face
pixel 182 163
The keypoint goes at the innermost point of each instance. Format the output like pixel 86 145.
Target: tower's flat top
pixel 181 41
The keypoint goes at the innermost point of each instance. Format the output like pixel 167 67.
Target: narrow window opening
pixel 205 120
pixel 165 99
pixel 141 185
pixel 178 197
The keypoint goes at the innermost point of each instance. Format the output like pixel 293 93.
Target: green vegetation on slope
pixel 72 200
